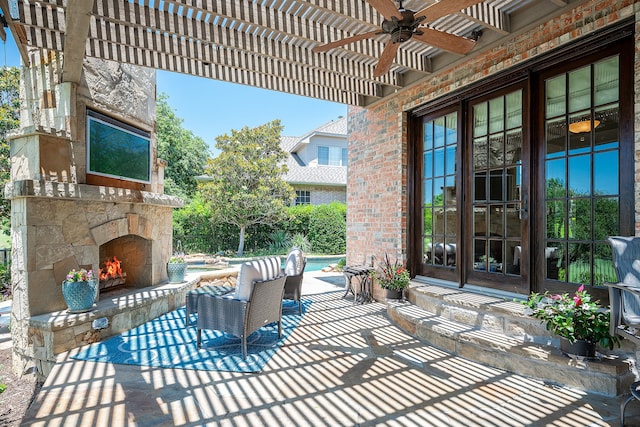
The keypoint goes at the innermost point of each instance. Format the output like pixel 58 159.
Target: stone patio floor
pixel 344 365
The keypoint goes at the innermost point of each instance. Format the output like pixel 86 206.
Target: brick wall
pixel 377 178
pixel 321 195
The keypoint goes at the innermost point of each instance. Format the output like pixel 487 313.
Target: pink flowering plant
pixel 81 275
pixel 392 275
pixel 574 317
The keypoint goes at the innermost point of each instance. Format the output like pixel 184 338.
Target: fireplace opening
pixel 126 263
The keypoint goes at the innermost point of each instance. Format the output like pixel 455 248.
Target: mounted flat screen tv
pixel 117 150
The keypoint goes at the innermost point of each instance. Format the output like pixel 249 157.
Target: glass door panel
pixel 440 204
pixel 582 174
pixel 497 207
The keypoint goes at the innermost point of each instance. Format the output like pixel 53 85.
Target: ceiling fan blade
pixel 445 41
pixel 386 59
pixel 444 7
pixel 386 8
pixel 342 42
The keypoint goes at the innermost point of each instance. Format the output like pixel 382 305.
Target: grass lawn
pixel 603 269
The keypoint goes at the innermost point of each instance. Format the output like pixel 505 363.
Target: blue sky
pixel 210 108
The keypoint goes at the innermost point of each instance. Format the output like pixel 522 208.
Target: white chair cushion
pixel 261 266
pixel 247 275
pixel 276 266
pixel 270 267
pixel 251 271
pixel 291 265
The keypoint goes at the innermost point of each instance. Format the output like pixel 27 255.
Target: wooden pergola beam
pixel 17 31
pixel 78 21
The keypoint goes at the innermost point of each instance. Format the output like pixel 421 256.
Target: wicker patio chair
pixel 624 298
pixel 241 318
pixel 294 270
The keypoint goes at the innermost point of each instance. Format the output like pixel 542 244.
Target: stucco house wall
pixel 377 173
pixel 309 152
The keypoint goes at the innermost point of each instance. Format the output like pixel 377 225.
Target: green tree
pixel 185 153
pixel 9 120
pixel 247 186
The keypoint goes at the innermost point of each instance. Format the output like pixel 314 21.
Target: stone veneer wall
pixel 377 174
pixel 325 195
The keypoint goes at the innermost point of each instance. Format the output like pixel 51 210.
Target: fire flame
pixel 111 269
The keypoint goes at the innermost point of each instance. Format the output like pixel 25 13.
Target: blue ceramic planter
pixel 176 272
pixel 80 296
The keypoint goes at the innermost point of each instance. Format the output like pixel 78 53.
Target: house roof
pixel 332 128
pixel 315 175
pixel 299 173
pixel 266 44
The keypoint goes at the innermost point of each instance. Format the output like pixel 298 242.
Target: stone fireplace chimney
pixel 64 217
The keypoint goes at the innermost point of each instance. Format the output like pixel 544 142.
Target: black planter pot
pixel 579 348
pixel 394 294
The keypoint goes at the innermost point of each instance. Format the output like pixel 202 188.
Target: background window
pixel 303 197
pixel 332 156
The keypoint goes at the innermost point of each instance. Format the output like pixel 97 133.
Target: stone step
pixel 496 332
pixel 486 312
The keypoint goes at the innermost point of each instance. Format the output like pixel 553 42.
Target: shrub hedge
pixel 323 226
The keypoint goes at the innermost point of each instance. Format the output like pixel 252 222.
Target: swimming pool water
pixel 317 264
pixel 313 264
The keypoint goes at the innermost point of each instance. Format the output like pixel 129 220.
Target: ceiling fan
pixel 403 24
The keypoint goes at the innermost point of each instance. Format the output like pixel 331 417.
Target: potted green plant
pixel 580 322
pixel 80 290
pixel 392 276
pixel 176 268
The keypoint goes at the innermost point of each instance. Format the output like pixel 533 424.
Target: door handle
pixel 524 212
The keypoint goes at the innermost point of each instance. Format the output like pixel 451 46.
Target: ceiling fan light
pixel 583 126
pixel 402 34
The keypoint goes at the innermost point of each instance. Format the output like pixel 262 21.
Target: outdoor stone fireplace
pixel 72 226
pixel 64 217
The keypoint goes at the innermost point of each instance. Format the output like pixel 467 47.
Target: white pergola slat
pixel 262 43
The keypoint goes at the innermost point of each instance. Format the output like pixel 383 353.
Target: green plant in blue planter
pixel 80 289
pixel 176 268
